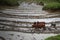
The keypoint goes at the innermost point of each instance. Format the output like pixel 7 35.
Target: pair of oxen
pixel 39 25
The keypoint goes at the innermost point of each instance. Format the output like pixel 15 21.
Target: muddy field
pixel 21 18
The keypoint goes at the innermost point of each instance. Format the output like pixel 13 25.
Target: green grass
pixel 53 38
pixel 52 6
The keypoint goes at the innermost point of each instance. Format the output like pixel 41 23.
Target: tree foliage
pixel 9 2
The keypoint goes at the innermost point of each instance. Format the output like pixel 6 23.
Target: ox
pixel 38 25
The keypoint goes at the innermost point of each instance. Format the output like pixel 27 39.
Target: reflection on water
pixel 23 36
pixel 30 10
pixel 23 16
pixel 28 13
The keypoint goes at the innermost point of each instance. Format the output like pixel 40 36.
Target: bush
pixel 53 38
pixel 52 6
pixel 9 2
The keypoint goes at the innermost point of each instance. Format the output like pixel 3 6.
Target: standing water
pixel 23 16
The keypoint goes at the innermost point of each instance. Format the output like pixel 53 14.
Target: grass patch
pixel 52 6
pixel 53 38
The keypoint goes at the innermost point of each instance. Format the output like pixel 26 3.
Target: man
pixel 53 25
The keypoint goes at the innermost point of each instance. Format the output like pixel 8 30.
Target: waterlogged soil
pixel 23 17
pixel 23 36
pixel 26 14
